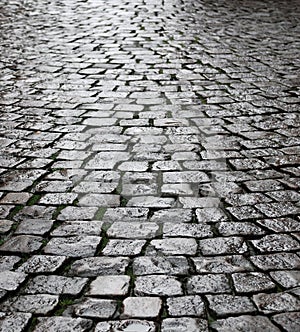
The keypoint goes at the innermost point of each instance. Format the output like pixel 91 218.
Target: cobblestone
pixel 149 166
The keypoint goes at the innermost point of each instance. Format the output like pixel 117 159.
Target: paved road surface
pixel 149 165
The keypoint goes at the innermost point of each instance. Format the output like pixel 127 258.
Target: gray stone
pixel 210 283
pixel 96 308
pixel 38 304
pixel 191 305
pixel 130 325
pixel 72 228
pixel 224 304
pixel 42 264
pixel 244 323
pixel 175 246
pixel 66 324
pixel 151 202
pixel 10 281
pixel 14 322
pixel 109 285
pixel 239 228
pixel 222 264
pixel 218 246
pixel 276 242
pixel 276 261
pixel 199 202
pixel 54 284
pixel 75 246
pixel 289 321
pixel 276 302
pixel 95 266
pixel 106 200
pixel 185 177
pixel 8 262
pixel 5 226
pixel 142 307
pixel 77 213
pixel 172 215
pixel 168 265
pixel 251 282
pixel 210 215
pixel 123 247
pixel 34 226
pixel 188 230
pixel 125 214
pixel 287 279
pixel 23 244
pixel 184 324
pixel 133 230
pixel 157 285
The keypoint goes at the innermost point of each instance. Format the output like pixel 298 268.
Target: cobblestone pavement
pixel 149 165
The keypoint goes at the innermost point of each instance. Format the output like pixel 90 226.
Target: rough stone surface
pixel 149 156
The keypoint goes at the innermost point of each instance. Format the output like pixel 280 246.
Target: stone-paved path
pixel 149 165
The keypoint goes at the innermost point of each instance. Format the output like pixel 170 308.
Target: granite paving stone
pixel 149 170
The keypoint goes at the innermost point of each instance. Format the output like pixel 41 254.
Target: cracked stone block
pixel 171 265
pixel 5 226
pixel 151 202
pixel 252 282
pixel 184 324
pixel 66 324
pixel 42 264
pixel 210 215
pixel 276 261
pixel 222 264
pixel 239 228
pixel 125 214
pixel 96 308
pixel 191 305
pixel 107 200
pixel 95 266
pixel 133 230
pixel 289 321
pixel 189 230
pixel 175 246
pixel 172 215
pixel 142 307
pixel 244 323
pixel 218 246
pixel 76 227
pixel 110 285
pixel 75 246
pixel 276 242
pixel 77 213
pixel 287 279
pixel 22 244
pixel 123 247
pixel 8 262
pixel 167 165
pixel 41 304
pixel 276 302
pixel 209 283
pixel 15 322
pixel 35 212
pixel 157 285
pixel 53 284
pixel 199 202
pixel 10 281
pixel 225 304
pixel 34 226
pixel 126 326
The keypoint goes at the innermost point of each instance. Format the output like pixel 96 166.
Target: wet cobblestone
pixel 149 166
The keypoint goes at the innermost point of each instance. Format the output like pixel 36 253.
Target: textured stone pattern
pixel 149 166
